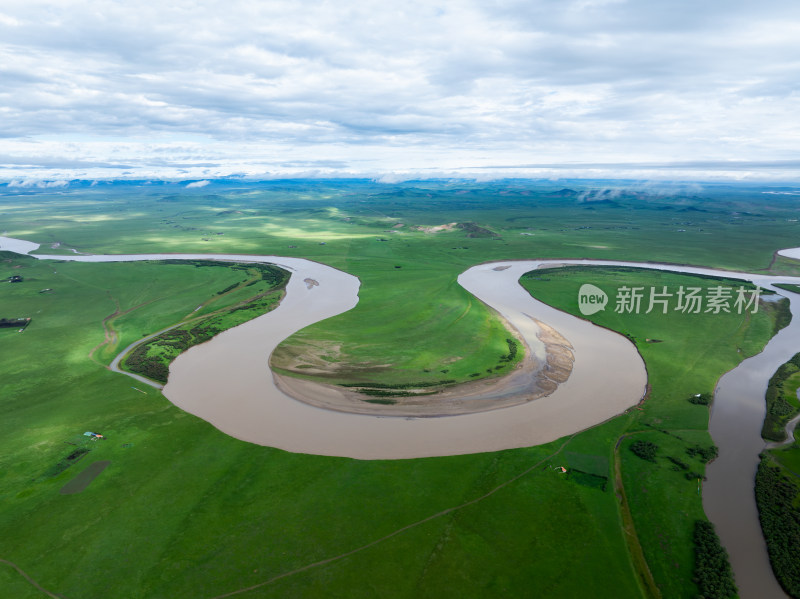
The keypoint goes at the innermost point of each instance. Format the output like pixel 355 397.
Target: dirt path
pixel 110 337
pixel 30 580
pixel 399 530
pixel 643 574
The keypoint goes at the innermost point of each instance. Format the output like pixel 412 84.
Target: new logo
pixel 591 299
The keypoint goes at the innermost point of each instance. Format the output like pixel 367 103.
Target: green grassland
pixel 408 273
pixel 692 351
pixel 185 511
pixel 153 357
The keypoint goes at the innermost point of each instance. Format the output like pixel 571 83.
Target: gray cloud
pixel 461 83
pixel 46 162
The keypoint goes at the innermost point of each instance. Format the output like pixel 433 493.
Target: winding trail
pixel 114 365
pixel 109 334
pixel 30 580
pixel 401 530
pixel 638 560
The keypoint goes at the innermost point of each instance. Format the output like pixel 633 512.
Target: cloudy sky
pixel 102 89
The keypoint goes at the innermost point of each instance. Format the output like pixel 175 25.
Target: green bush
pixel 705 454
pixel 645 450
pixel 703 399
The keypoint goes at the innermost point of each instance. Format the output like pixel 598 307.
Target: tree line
pixel 779 410
pixel 780 522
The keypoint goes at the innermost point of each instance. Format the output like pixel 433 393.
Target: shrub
pixel 703 399
pixel 645 450
pixel 705 454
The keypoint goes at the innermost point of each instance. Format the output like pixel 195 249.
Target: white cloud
pixel 8 21
pixel 110 86
pixel 37 183
pixel 197 184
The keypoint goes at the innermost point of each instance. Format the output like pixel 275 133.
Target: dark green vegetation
pixel 777 485
pixel 783 316
pixel 712 571
pixel 152 358
pixel 185 511
pixel 701 399
pixel 782 401
pixel 644 449
pixel 776 495
pixel 66 462
pixel 704 454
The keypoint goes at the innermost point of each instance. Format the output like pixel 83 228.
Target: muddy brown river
pixel 227 382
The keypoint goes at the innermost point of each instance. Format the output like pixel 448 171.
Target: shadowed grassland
pixel 561 219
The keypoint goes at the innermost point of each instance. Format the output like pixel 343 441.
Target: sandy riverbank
pixel 228 383
pixel 530 380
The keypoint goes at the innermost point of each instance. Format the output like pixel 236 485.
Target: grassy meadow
pixel 263 285
pixel 684 355
pixel 185 511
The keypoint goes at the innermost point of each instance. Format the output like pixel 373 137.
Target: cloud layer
pixel 251 87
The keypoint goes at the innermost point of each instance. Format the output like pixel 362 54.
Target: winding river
pixel 227 382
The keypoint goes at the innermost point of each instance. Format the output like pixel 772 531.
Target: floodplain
pixel 183 510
